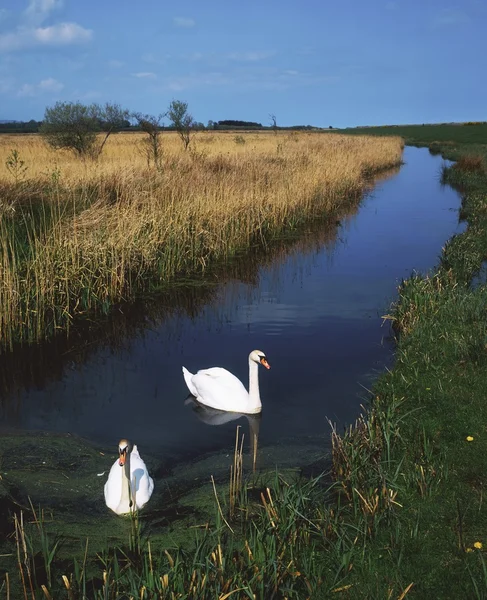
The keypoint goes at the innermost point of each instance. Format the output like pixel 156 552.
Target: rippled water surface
pixel 314 307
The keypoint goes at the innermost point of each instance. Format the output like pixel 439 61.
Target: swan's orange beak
pixel 122 456
pixel 264 363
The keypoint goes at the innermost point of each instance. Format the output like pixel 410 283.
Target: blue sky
pixel 313 62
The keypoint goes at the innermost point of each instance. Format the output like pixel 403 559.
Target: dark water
pixel 314 308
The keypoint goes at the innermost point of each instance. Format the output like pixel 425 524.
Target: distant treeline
pixel 32 126
pixel 20 126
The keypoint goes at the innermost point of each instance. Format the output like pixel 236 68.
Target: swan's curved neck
pixel 255 404
pixel 126 497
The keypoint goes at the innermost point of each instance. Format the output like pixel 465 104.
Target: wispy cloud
pixel 250 56
pixel 153 59
pixel 49 85
pixel 4 13
pixel 245 79
pixel 450 16
pixel 217 59
pixel 184 22
pixel 38 10
pixel 61 34
pixel 145 75
pixel 115 64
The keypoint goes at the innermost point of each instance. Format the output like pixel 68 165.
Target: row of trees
pixel 76 127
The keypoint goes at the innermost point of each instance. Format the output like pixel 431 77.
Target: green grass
pixel 424 135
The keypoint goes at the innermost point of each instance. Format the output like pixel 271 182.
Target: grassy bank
pixel 77 237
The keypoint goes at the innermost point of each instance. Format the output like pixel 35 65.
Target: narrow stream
pixel 315 310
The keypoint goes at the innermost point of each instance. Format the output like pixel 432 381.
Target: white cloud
pixel 184 22
pixel 61 34
pixel 145 75
pixel 38 10
pixel 49 85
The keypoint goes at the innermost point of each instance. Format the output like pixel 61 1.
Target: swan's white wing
pixel 139 475
pixel 113 486
pixel 218 388
pixel 188 378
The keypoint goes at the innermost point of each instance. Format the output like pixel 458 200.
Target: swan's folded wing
pixel 113 487
pixel 216 373
pixel 143 483
pixel 220 389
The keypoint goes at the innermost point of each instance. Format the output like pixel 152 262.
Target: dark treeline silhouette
pixel 234 124
pixel 32 126
pixel 20 126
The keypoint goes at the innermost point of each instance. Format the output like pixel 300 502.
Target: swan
pixel 220 389
pixel 129 485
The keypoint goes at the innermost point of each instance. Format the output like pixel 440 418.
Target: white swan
pixel 129 485
pixel 218 388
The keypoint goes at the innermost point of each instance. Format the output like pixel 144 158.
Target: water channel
pixel 314 307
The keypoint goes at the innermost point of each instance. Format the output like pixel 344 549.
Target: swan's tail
pixel 188 378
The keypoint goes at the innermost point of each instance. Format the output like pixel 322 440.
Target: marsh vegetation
pixel 78 236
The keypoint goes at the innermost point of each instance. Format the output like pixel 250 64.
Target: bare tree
pixel 273 123
pixel 151 145
pixel 181 120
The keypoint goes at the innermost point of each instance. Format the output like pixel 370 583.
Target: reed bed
pixel 77 237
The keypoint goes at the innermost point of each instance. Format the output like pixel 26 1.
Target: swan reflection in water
pixel 212 416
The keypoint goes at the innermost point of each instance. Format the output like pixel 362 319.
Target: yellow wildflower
pixel 478 545
pixel 469 438
pixel 469 550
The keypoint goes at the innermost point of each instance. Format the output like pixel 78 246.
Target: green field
pixel 424 135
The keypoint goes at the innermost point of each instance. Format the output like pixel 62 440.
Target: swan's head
pixel 259 357
pixel 124 448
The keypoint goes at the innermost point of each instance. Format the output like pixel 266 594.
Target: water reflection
pixel 33 367
pixel 211 416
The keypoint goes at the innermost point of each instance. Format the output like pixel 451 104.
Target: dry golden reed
pixel 77 236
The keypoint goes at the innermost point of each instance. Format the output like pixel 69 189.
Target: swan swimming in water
pixel 220 389
pixel 129 485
